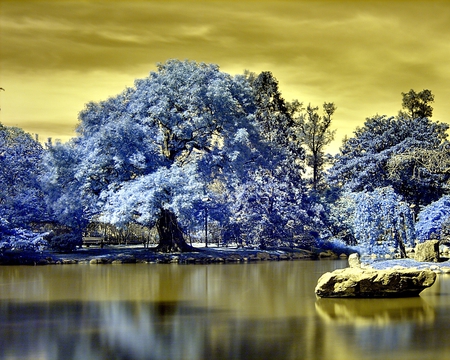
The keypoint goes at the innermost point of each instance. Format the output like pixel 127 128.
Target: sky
pixel 56 56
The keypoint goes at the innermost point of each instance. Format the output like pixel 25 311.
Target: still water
pixel 266 310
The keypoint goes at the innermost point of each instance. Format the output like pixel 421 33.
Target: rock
pixel 356 282
pixel 262 256
pixel 69 261
pixel 427 251
pixel 354 261
pixel 328 254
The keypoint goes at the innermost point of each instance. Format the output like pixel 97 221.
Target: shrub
pixel 64 242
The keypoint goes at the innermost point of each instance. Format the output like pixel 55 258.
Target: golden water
pixel 253 311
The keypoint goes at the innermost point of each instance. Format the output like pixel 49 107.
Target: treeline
pixel 191 152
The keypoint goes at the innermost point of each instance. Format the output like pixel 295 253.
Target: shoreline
pixel 133 255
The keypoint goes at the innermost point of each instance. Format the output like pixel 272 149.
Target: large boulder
pixel 427 251
pixel 370 283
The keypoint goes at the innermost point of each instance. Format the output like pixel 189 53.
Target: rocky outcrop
pixel 370 283
pixel 427 251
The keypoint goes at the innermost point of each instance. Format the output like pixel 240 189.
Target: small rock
pixel 427 251
pixel 354 261
pixel 262 256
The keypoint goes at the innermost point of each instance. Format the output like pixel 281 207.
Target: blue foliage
pixel 186 133
pixel 434 220
pixel 17 239
pixel 183 133
pixel 22 201
pixel 380 221
pixel 361 164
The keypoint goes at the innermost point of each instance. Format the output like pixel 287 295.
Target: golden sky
pixel 55 56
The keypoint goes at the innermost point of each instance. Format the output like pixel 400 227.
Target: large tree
pixel 151 154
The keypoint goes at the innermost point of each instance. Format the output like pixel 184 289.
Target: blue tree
pixel 314 133
pixel 434 220
pixel 363 160
pixel 379 220
pixel 150 154
pixel 22 201
pixel 270 207
pixel 63 187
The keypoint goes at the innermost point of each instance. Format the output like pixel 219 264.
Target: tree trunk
pixel 171 237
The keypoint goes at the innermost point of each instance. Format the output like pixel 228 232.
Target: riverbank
pixel 132 255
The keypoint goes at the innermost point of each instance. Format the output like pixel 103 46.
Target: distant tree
pixel 417 105
pixel 363 161
pixel 315 134
pixel 271 109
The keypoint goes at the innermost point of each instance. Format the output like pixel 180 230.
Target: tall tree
pixel 417 105
pixel 315 134
pixel 270 207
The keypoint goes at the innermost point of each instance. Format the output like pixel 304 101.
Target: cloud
pixel 359 54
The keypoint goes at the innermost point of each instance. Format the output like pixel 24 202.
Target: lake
pixel 264 310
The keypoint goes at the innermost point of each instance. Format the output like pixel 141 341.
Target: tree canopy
pixel 362 163
pixel 152 153
pixel 190 145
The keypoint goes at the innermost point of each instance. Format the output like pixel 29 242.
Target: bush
pixel 64 242
pixel 21 240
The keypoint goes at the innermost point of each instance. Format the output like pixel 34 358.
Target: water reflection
pixel 380 312
pixel 257 311
pixel 132 330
